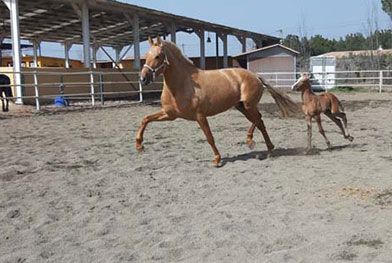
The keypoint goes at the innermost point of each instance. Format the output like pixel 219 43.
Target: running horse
pixel 5 87
pixel 194 94
pixel 313 105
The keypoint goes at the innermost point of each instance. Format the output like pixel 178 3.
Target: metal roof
pixel 267 48
pixel 59 21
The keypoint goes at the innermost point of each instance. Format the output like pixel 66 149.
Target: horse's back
pixel 330 101
pixel 247 84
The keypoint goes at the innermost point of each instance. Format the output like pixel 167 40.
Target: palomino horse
pixel 194 94
pixel 313 106
pixel 5 87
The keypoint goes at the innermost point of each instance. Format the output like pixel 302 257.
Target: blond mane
pixel 176 51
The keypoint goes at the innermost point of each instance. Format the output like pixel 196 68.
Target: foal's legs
pixel 321 130
pixel 158 116
pixel 207 132
pixel 309 125
pixel 338 122
pixel 342 115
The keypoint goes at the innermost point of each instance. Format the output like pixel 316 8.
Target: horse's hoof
pixel 217 161
pixel 251 144
pixel 270 154
pixel 329 145
pixel 350 138
pixel 140 148
pixel 308 151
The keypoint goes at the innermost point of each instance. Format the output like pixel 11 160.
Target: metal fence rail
pixel 95 83
pixel 375 79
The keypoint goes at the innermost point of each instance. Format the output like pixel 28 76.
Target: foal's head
pixel 302 83
pixel 156 62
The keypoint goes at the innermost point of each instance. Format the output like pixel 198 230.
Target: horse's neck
pixel 177 73
pixel 307 93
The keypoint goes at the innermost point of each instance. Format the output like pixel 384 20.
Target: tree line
pixel 317 44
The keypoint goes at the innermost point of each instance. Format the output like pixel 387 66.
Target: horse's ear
pixel 159 41
pixel 150 41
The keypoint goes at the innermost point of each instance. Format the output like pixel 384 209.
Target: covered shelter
pixel 103 23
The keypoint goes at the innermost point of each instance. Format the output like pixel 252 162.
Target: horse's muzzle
pixel 144 81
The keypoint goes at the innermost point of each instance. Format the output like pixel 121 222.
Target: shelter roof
pixel 110 22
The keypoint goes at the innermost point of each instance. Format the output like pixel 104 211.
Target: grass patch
pixel 348 89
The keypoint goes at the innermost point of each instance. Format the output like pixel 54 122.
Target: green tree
pixel 320 45
pixel 355 42
pixel 387 7
pixel 293 42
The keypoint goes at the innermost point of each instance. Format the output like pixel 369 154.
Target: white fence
pixel 91 87
pixel 373 79
pixel 93 83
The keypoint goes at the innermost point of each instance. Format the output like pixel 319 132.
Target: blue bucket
pixel 61 102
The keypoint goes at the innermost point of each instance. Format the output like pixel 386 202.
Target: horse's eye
pixel 157 57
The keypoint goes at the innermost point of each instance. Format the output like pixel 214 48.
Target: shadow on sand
pixel 298 151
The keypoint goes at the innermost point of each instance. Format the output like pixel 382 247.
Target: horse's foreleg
pixel 321 130
pixel 309 125
pixel 158 116
pixel 207 132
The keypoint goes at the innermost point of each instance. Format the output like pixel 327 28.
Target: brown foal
pixel 313 105
pixel 194 94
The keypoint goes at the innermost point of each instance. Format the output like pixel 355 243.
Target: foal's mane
pixel 167 45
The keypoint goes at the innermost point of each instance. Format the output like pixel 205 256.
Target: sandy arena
pixel 73 188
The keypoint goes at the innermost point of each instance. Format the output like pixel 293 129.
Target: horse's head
pixel 156 62
pixel 302 83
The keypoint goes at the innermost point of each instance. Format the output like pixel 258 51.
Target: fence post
pixel 380 81
pixel 101 89
pixel 140 92
pixel 92 90
pixel 37 106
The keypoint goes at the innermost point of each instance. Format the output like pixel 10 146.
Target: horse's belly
pixel 218 102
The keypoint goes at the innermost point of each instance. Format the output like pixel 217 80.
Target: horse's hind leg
pixel 6 104
pixel 2 103
pixel 207 131
pixel 338 122
pixel 342 115
pixel 158 116
pixel 321 130
pixel 309 126
pixel 249 137
pixel 254 116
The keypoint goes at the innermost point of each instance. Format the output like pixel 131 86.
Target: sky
pixel 331 19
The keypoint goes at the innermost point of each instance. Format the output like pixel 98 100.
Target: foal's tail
pixel 284 102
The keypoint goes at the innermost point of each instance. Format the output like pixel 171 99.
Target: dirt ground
pixel 73 188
